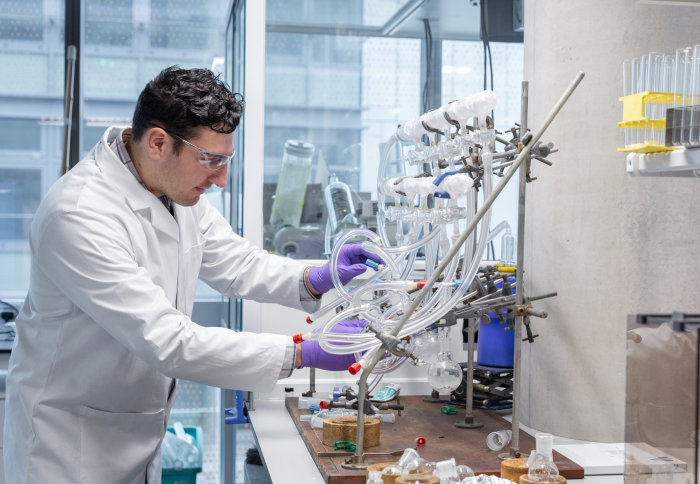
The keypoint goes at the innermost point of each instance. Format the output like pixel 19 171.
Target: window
pixel 124 43
pixel 343 94
pixel 31 93
pixel 335 80
pixel 462 74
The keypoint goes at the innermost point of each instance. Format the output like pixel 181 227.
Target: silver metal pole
pixel 71 56
pixel 469 421
pixel 519 292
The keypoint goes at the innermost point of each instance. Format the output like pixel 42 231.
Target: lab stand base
pixel 443 440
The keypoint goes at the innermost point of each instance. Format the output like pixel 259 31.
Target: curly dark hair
pixel 181 100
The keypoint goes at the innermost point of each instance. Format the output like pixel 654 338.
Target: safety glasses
pixel 213 161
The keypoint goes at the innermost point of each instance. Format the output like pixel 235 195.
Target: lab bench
pixel 287 458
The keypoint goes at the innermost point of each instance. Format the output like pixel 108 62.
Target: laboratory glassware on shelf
pixel 661 101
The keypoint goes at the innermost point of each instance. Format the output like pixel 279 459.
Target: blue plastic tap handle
pixel 238 414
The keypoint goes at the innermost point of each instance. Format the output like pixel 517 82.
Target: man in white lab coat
pixel 117 247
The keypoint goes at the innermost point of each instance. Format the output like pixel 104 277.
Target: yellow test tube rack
pixel 633 117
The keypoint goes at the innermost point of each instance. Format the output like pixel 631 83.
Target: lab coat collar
pixel 137 197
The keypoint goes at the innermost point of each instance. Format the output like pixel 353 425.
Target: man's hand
pixel 310 354
pixel 351 263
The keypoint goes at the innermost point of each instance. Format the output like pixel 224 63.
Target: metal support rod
pixel 71 55
pixel 469 422
pixel 524 154
pixel 519 292
pixel 470 370
pixel 362 394
pixel 312 383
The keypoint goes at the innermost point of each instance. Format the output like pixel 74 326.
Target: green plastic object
pixel 449 409
pixel 344 445
pixel 184 476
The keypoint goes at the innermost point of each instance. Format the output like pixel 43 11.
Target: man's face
pixel 183 178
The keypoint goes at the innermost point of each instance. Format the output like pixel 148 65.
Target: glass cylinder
pixel 687 99
pixel 291 185
pixel 624 91
pixel 694 122
pixel 508 248
pixel 338 202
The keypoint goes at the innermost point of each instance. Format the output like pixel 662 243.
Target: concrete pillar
pixel 610 244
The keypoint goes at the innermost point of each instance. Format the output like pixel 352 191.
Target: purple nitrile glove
pixel 351 263
pixel 314 357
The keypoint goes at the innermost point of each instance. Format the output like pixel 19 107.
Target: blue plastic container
pixel 496 343
pixel 184 476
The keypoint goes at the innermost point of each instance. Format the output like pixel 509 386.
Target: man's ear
pixel 156 144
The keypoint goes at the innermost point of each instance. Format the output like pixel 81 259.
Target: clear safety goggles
pixel 213 161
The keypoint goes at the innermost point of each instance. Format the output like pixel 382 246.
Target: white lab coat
pixel 105 329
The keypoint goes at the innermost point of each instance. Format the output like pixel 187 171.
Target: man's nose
pixel 220 176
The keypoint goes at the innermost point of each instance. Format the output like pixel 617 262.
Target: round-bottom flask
pixel 444 375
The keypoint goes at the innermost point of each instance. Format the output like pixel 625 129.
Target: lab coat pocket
pixel 117 447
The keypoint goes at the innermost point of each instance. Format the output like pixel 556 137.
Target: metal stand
pixel 469 421
pixel 433 398
pixel 519 286
pixel 312 383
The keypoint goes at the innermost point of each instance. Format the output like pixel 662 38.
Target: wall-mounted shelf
pixel 677 163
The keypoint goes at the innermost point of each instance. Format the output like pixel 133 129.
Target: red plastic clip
pixel 420 442
pixel 309 320
pixel 354 368
pixel 298 338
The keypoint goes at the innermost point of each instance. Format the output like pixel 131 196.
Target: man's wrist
pixel 297 359
pixel 308 285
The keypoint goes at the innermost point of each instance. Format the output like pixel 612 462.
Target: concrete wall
pixel 610 244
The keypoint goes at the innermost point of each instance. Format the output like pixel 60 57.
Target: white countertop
pixel 282 448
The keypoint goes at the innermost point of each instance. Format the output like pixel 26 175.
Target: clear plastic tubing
pixel 336 251
pixel 340 299
pixel 413 246
pixel 418 323
pixel 381 227
pixel 399 286
pixel 365 341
